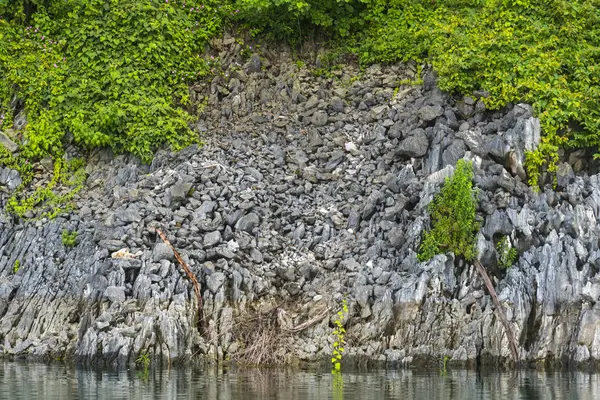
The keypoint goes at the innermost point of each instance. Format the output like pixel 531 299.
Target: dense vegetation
pixel 111 73
pixel 116 72
pixel 453 223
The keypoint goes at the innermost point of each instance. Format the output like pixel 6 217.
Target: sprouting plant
pixel 507 255
pixel 339 332
pixel 444 364
pixel 143 360
pixel 16 266
pixel 69 238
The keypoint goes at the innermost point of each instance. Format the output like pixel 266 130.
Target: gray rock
pixel 454 152
pixel 129 215
pixel 111 244
pixel 254 65
pixel 10 178
pixel 215 281
pixel 337 104
pixel 371 204
pixel 415 145
pixel 319 118
pixel 465 110
pixel 179 191
pixel 162 251
pixel 429 113
pixel 396 237
pixel 115 294
pixel 247 223
pixel 212 238
pixel 474 141
pixel 564 175
pixel 8 143
pixel 498 147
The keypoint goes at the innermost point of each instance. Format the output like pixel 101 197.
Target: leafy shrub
pixel 453 223
pixel 112 73
pixel 507 255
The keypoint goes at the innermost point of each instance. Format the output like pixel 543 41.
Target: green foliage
pixel 69 238
pixel 507 255
pixel 143 361
pixel 453 223
pixel 51 199
pixel 339 332
pixel 294 19
pixel 16 266
pixel 112 73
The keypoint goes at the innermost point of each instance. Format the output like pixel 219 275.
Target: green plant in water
pixel 16 266
pixel 339 332
pixel 69 238
pixel 453 223
pixel 507 255
pixel 143 361
pixel 444 364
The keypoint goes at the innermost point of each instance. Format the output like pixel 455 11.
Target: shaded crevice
pixel 530 333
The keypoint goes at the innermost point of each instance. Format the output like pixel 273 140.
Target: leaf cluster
pixel 69 238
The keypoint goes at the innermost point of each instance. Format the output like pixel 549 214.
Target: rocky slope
pixel 309 190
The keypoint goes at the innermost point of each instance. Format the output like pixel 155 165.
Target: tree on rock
pixel 453 224
pixel 454 229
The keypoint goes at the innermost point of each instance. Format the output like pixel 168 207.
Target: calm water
pixel 35 381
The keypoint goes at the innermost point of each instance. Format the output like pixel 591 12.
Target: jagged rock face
pixel 308 190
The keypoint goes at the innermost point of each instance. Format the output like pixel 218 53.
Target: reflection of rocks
pixel 310 189
pixel 254 383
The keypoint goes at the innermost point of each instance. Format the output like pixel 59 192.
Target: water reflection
pixel 36 381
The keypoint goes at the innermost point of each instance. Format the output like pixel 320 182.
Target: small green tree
pixel 507 255
pixel 453 223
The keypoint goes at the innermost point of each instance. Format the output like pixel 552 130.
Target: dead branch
pixel 310 322
pixel 191 277
pixel 499 308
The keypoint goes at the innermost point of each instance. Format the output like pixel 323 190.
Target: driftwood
pixel 191 277
pixel 310 322
pixel 500 309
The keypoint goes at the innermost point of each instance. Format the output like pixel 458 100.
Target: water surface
pixel 39 381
